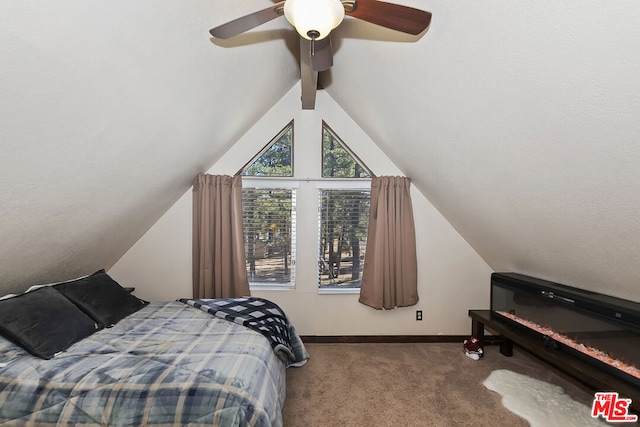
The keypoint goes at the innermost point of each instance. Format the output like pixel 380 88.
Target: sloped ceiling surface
pixel 108 111
pixel 518 120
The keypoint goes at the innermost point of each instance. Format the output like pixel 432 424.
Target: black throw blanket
pixel 261 315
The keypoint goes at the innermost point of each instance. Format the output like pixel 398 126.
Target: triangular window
pixel 338 161
pixel 275 158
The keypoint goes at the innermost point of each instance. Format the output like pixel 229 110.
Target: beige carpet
pixel 352 385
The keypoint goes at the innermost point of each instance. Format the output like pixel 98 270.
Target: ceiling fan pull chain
pixel 314 35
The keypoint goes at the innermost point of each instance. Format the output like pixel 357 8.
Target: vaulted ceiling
pixel 518 120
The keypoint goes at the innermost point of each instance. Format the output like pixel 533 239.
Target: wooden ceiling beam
pixel 308 77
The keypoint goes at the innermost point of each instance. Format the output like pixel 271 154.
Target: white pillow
pixel 34 287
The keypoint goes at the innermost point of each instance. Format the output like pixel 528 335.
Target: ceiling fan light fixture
pixel 314 18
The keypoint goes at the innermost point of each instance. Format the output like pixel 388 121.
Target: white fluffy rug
pixel 540 403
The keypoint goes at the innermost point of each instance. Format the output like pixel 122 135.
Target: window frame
pixel 293 182
pixel 267 147
pixel 336 184
pixel 346 148
pixel 278 184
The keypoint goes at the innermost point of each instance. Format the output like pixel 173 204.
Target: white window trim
pixel 344 184
pixel 269 183
pixel 338 291
pixel 285 183
pixel 254 286
pixel 340 184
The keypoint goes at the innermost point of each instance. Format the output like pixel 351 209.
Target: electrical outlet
pixel 418 314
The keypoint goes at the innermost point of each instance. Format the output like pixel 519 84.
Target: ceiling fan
pixel 314 20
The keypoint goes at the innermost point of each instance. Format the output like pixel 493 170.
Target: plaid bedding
pixel 261 315
pixel 164 365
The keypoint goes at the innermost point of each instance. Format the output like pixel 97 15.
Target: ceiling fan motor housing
pixel 314 19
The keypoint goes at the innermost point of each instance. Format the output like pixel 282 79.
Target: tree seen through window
pixel 275 159
pixel 337 159
pixel 344 222
pixel 268 216
pixel 269 213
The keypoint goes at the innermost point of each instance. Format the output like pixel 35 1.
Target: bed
pixel 163 364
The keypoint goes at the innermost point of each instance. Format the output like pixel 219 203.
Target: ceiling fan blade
pixel 321 54
pixel 397 17
pixel 248 22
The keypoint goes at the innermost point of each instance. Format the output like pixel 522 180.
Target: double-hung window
pixel 269 222
pixel 343 221
pixel 270 219
pixel 344 197
pixel 269 214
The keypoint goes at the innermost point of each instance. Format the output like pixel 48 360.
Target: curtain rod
pixel 291 178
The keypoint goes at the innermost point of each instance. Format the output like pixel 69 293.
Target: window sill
pixel 338 291
pixel 278 287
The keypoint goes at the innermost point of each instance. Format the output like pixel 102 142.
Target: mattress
pixel 167 364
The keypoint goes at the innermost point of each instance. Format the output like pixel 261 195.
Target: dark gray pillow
pixel 43 322
pixel 101 297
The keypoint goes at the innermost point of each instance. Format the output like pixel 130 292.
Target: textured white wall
pixel 520 122
pixel 452 277
pixel 107 110
pixel 517 120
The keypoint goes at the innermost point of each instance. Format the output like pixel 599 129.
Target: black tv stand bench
pixel 580 370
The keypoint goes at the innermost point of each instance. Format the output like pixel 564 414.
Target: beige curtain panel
pixel 390 272
pixel 219 264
